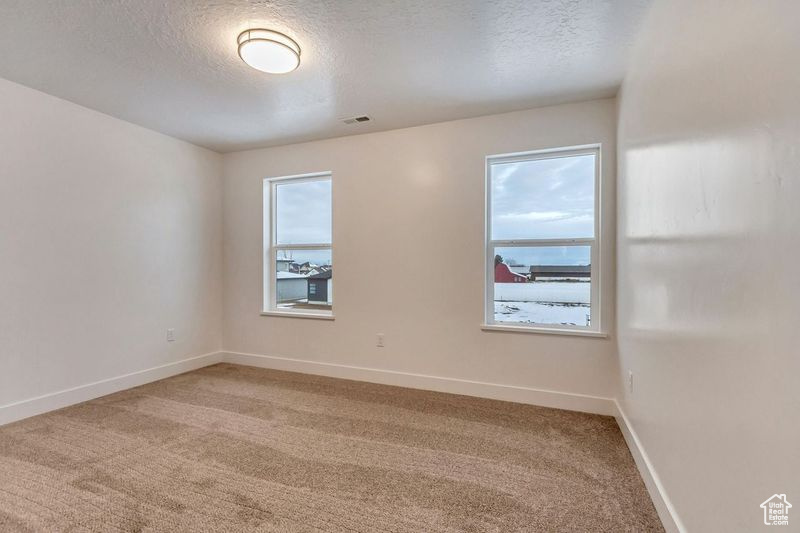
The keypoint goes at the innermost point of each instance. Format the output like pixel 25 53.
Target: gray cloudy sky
pixel 544 199
pixel 304 217
pixel 541 199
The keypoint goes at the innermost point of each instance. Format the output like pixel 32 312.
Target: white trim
pixel 530 243
pixel 509 393
pixel 664 507
pixel 546 398
pixel 543 330
pixel 595 244
pixel 299 314
pixel 311 176
pixel 270 247
pixel 56 400
pixel 302 247
pixel 22 409
pixel 559 151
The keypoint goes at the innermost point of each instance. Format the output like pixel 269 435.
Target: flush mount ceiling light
pixel 268 51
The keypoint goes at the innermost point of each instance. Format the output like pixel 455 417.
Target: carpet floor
pixel 235 448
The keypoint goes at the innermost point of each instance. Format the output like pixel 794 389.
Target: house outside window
pixel 298 246
pixel 542 254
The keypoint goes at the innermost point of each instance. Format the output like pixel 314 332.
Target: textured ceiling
pixel 171 65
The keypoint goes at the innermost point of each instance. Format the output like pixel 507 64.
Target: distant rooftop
pixel 288 275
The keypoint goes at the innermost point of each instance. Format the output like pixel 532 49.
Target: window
pixel 298 273
pixel 542 259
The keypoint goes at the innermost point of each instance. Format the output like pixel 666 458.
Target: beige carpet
pixel 233 448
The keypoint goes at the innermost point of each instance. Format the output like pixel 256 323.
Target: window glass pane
pixel 546 285
pixel 304 279
pixel 303 212
pixel 543 199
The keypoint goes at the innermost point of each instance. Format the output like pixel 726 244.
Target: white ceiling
pixel 171 65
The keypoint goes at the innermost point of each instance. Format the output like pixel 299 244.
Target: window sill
pixel 544 331
pixel 290 314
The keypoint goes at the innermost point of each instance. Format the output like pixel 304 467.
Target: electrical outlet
pixel 170 335
pixel 380 340
pixel 630 381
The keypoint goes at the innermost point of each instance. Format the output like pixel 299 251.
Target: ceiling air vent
pixel 354 120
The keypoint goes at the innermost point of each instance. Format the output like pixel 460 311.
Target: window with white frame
pixel 542 257
pixel 298 245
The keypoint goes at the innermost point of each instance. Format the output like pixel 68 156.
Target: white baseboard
pixel 546 398
pixel 666 511
pixel 511 393
pixel 56 400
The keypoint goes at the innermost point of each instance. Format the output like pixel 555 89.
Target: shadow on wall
pixel 708 291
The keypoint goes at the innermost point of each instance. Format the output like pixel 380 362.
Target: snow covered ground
pixel 544 291
pixel 543 302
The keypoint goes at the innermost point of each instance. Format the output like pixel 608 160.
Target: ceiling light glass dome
pixel 269 51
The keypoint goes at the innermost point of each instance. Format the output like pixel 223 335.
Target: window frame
pixel 595 329
pixel 269 306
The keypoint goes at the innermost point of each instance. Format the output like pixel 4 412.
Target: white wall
pixel 109 235
pixel 709 248
pixel 408 219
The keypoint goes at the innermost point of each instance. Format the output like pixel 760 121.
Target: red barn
pixel 503 274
